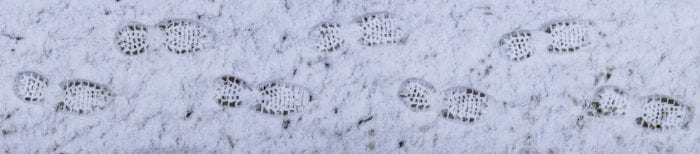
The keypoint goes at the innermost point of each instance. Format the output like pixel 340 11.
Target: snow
pixel 165 102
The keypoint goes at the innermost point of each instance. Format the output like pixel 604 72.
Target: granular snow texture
pixel 326 76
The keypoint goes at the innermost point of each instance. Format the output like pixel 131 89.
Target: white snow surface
pixel 164 102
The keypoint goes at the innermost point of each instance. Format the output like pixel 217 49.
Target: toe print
pixel 84 97
pixel 230 91
pixel 663 113
pixel 132 39
pixel 30 86
pixel 464 104
pixel 416 94
pixel 610 101
pixel 381 29
pixel 184 36
pixel 327 37
pixel 280 98
pixel 569 35
pixel 516 45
